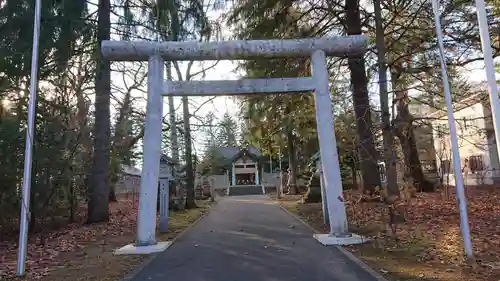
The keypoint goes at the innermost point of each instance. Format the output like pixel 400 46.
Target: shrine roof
pixel 246 152
pixel 231 152
pixel 168 160
pixel 130 170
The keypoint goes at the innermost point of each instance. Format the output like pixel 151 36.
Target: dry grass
pixel 94 260
pixel 430 244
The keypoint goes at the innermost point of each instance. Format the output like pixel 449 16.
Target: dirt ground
pixel 429 245
pixel 85 252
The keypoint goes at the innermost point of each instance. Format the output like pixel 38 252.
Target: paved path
pixel 250 238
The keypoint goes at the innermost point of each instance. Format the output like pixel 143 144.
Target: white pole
pixel 226 178
pixel 328 146
pixel 280 188
pixel 233 175
pixel 279 153
pixel 26 188
pixel 146 223
pixel 459 183
pixel 257 175
pixel 270 163
pixel 489 65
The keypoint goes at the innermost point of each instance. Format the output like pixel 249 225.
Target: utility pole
pixel 489 63
pixel 459 181
pixel 270 163
pixel 230 141
pixel 279 188
pixel 28 154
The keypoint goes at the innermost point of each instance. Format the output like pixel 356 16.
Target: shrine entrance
pixel 245 179
pixel 245 166
pixel 317 49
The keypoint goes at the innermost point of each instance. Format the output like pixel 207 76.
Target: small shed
pixel 129 180
pixel 167 167
pixel 168 171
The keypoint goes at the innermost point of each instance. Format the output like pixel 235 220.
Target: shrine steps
pixel 239 190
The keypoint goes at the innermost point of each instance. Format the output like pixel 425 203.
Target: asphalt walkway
pixel 250 238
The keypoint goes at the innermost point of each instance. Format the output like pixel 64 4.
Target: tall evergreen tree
pixel 226 131
pixel 99 183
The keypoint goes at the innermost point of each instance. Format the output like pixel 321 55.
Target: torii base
pixel 330 239
pixel 132 249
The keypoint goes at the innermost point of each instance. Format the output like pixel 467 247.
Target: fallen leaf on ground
pixel 84 252
pixel 429 244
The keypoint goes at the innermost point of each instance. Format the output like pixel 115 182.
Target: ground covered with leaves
pixel 85 252
pixel 429 245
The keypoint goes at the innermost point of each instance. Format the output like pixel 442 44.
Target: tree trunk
pixel 354 177
pixel 72 201
pixel 98 209
pixel 174 143
pixel 120 144
pixel 389 151
pixel 403 129
pixel 412 160
pixel 190 194
pixel 367 153
pixel 112 190
pixel 32 223
pixel 114 170
pixel 292 175
pixel 171 118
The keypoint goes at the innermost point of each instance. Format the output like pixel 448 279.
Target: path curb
pixel 341 249
pixel 148 260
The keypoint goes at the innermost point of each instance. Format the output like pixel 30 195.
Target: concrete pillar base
pixel 348 239
pixel 132 249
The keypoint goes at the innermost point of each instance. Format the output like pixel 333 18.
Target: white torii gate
pixel 157 52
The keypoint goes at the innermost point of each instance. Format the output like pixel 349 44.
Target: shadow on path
pixel 250 238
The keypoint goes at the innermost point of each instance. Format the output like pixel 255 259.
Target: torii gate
pixel 157 52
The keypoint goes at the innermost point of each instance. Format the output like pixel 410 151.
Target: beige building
pixel 476 141
pixel 423 132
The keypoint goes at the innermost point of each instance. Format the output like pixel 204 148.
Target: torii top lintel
pixel 233 50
